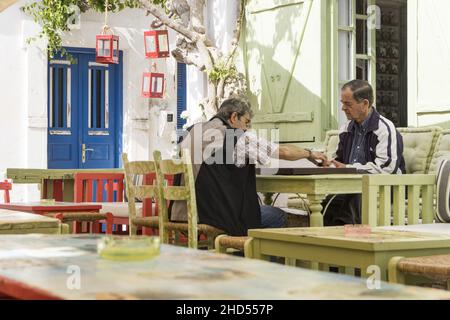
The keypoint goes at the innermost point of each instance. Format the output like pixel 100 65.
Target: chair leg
pixel 96 227
pixel 394 275
pixel 77 227
pixel 248 248
pixel 109 223
pixel 147 231
pixel 133 229
pixel 219 248
pixel 64 228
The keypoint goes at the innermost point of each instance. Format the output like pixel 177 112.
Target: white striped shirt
pixel 254 149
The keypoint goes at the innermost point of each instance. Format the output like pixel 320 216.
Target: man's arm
pixel 293 153
pixel 260 150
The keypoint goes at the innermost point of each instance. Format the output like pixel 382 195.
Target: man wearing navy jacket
pixel 368 142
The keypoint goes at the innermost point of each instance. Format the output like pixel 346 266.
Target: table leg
pixel 68 190
pixel 254 251
pixel 316 218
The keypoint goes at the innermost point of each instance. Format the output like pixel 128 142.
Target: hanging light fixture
pixel 156 43
pixel 107 45
pixel 153 84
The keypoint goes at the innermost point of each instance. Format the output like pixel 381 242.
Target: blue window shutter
pixel 181 93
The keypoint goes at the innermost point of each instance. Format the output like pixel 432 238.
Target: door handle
pixel 83 152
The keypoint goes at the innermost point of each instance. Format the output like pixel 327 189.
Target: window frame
pixel 354 57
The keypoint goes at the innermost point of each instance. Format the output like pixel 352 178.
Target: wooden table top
pixel 435 228
pixel 24 175
pixel 379 239
pixel 319 177
pixel 40 264
pixel 15 219
pixel 50 207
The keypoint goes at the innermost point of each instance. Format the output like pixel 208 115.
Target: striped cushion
pixel 443 191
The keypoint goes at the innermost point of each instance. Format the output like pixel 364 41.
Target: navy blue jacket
pixel 383 146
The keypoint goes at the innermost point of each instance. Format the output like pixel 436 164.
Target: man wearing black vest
pixel 223 155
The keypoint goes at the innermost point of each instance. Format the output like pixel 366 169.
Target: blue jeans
pixel 272 217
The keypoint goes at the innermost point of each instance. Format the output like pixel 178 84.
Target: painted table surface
pixel 44 207
pixel 436 228
pixel 54 183
pixel 21 175
pixel 22 222
pixel 332 246
pixel 316 187
pixel 36 266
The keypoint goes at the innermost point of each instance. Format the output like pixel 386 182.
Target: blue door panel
pixel 85 109
pixel 62 150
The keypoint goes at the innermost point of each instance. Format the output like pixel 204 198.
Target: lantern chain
pixel 105 26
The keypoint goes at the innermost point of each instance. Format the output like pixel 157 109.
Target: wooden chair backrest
pixel 134 189
pixel 93 187
pixel 379 187
pixel 185 192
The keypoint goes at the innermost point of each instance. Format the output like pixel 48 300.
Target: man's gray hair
pixel 232 105
pixel 362 90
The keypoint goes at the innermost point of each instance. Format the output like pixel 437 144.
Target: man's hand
pixel 337 164
pixel 319 159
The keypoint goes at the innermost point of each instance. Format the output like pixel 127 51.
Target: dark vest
pixel 226 194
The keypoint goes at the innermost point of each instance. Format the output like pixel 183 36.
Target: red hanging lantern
pixel 106 45
pixel 156 44
pixel 107 48
pixel 153 85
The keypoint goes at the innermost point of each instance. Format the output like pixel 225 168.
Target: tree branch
pixel 237 31
pixel 188 58
pixel 178 27
pixel 197 18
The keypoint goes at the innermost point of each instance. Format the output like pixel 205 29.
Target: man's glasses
pixel 248 122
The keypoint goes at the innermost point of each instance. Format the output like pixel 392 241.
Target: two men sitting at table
pixel 367 142
pixel 223 155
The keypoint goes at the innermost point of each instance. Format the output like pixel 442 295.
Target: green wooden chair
pixel 228 244
pixel 421 271
pixel 135 191
pixel 419 149
pixel 377 209
pixel 186 193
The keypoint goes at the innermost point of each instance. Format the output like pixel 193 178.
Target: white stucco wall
pixel 428 62
pixel 23 89
pixel 13 106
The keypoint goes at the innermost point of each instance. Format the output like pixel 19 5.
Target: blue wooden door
pixel 85 112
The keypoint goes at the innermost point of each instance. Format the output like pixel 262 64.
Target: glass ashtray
pixel 133 248
pixel 357 230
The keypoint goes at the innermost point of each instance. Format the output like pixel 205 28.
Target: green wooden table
pixel 14 222
pixel 331 246
pixel 55 184
pixel 316 187
pixel 39 266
